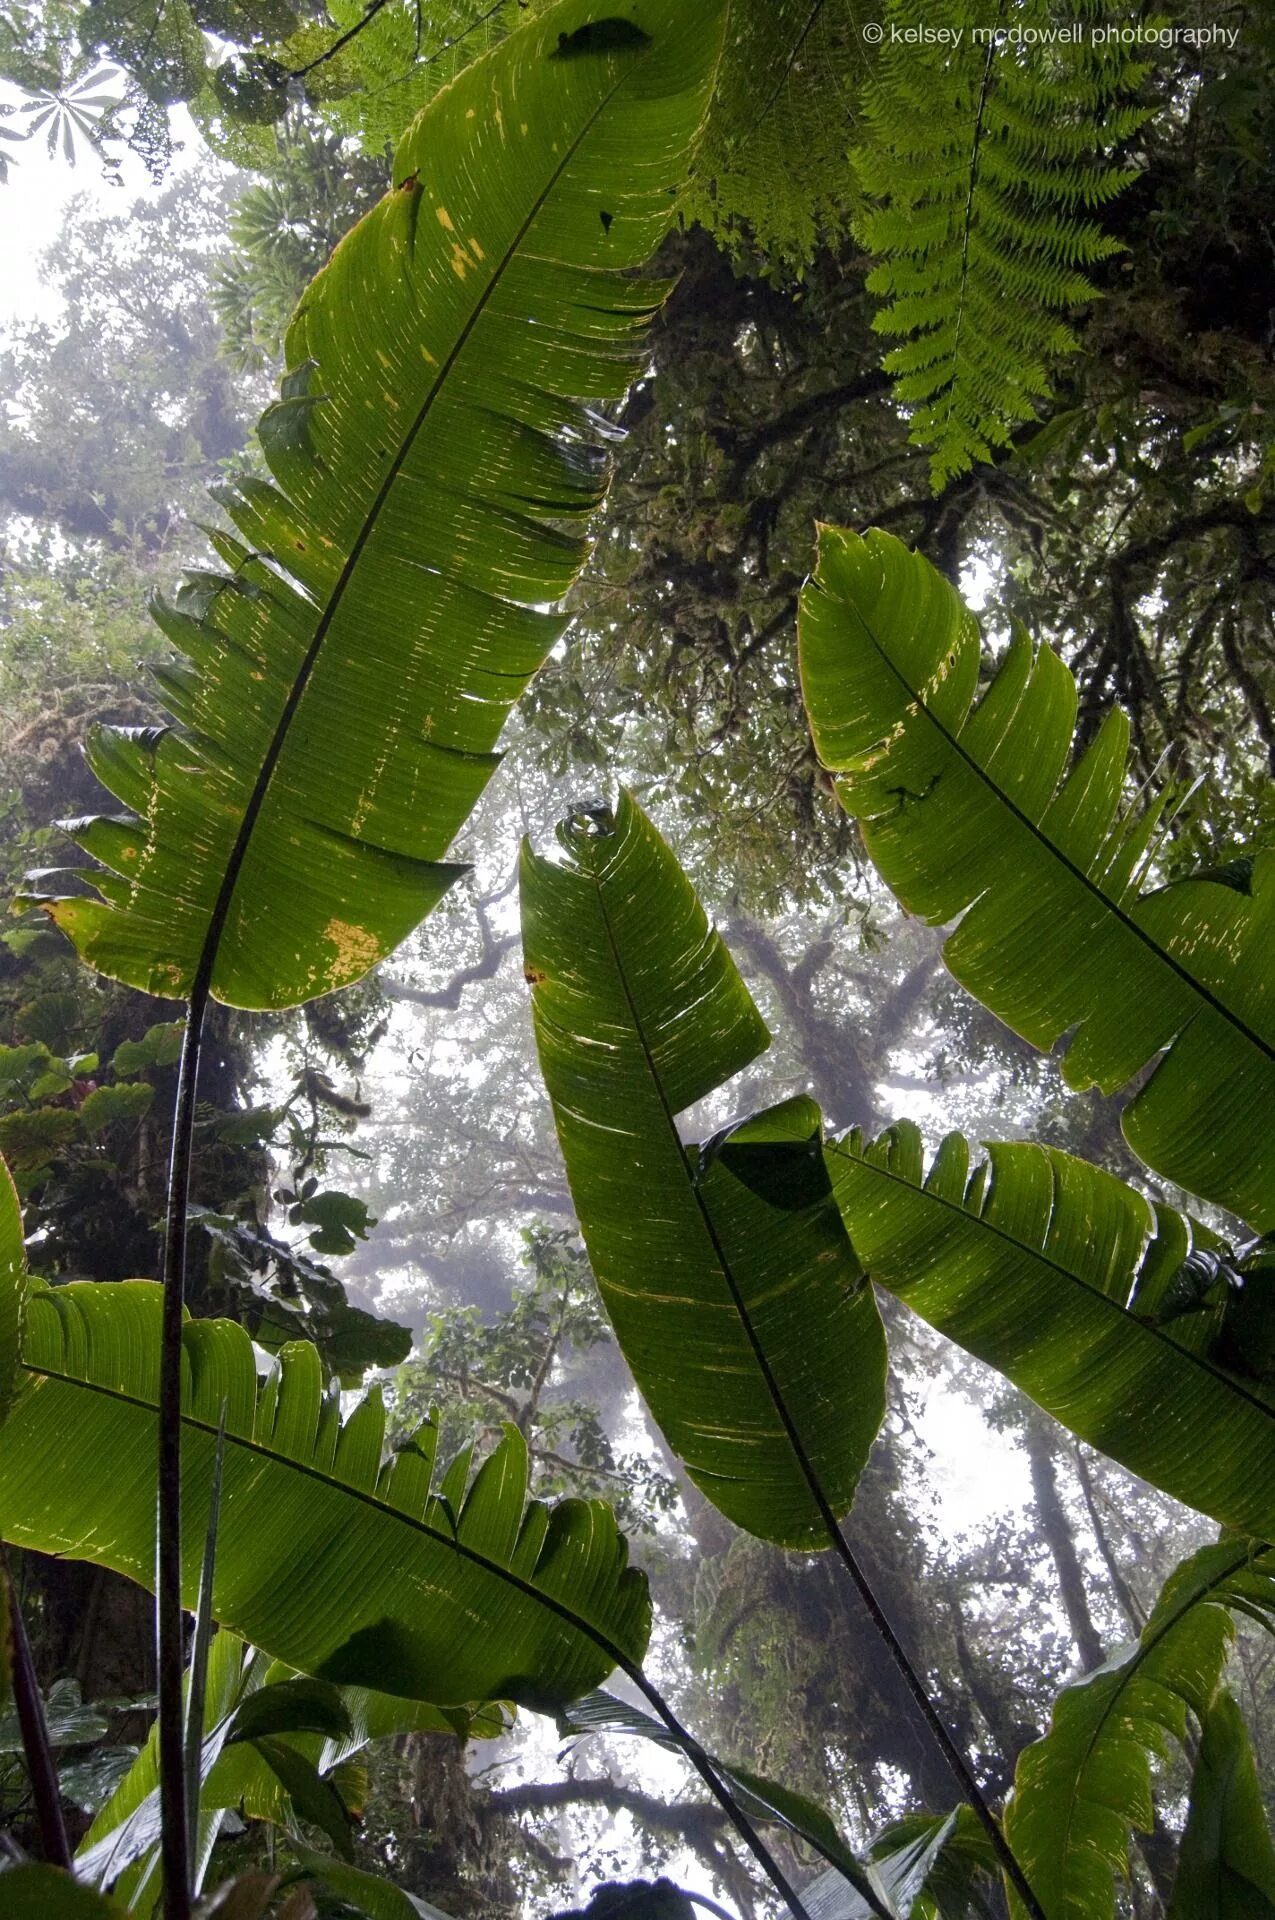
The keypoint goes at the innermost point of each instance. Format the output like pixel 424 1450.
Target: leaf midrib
pixel 916 697
pixel 822 1506
pixel 342 1487
pixel 256 800
pixel 1045 1259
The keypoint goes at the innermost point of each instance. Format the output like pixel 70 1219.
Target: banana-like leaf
pixel 250 1696
pixel 1079 1791
pixel 350 671
pixel 1226 1862
pixel 440 1588
pixel 726 1272
pixel 121 1847
pixel 965 806
pixel 1037 1263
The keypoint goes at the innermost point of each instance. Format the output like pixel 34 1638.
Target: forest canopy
pixel 637 1031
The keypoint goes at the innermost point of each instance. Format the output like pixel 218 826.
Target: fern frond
pixel 773 170
pixel 981 163
pixel 394 61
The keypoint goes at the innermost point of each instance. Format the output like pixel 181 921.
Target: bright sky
pixel 35 196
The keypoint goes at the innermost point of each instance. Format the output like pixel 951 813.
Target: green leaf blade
pixel 338 1567
pixel 1080 1791
pixel 727 1276
pixel 1036 1271
pixel 971 809
pixel 393 588
pixel 1226 1862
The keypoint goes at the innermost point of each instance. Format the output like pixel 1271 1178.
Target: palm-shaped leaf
pixel 439 1588
pixel 966 807
pixel 1079 1791
pixel 726 1272
pixel 351 669
pixel 1042 1266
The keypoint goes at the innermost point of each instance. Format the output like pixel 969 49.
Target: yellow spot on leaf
pixel 354 948
pixel 444 219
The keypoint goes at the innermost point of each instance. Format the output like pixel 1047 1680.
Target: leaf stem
pixel 956 1761
pixel 707 1772
pixel 197 1686
pixel 35 1736
pixel 175 1848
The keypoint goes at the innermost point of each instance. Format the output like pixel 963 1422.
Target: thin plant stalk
pixel 175 1843
pixel 708 1773
pixel 197 1687
pixel 35 1736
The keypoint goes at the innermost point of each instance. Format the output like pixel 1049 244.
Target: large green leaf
pixel 384 1576
pixel 248 1695
pixel 1226 1862
pixel 391 594
pixel 1040 1265
pixel 121 1847
pixel 965 806
pixel 1080 1790
pixel 727 1274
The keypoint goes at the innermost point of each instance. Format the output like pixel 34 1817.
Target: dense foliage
pixel 878 1725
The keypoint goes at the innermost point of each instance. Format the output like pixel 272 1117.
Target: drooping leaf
pixel 301 1705
pixel 246 1696
pixel 762 1799
pixel 433 471
pixel 121 1847
pixel 159 1046
pixel 314 1799
pixel 1036 1263
pixel 726 1273
pixel 965 809
pixel 902 1871
pixel 979 168
pixel 32 1138
pixel 362 1573
pixel 1226 1862
pixel 1080 1790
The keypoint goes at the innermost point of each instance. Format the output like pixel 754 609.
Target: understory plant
pixel 342 683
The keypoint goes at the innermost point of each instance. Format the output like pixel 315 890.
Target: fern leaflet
pixel 982 158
